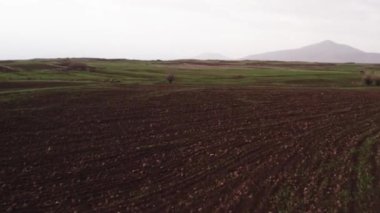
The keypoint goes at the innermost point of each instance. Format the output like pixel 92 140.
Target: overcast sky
pixel 166 29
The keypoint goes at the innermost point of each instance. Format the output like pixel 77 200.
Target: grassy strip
pixel 283 200
pixel 365 179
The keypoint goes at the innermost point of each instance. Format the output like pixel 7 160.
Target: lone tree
pixel 170 78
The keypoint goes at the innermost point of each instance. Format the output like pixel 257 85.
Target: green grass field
pixel 187 72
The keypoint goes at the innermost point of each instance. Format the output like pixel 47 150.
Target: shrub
pixel 170 78
pixel 376 80
pixel 69 65
pixel 367 80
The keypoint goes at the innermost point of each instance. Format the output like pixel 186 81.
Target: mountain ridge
pixel 326 51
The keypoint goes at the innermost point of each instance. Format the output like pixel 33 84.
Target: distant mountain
pixel 326 51
pixel 210 56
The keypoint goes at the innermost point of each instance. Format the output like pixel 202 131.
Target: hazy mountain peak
pixel 210 56
pixel 329 46
pixel 328 42
pixel 325 51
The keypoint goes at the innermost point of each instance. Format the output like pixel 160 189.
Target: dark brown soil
pixel 34 66
pixel 6 85
pixel 69 65
pixel 7 69
pixel 144 149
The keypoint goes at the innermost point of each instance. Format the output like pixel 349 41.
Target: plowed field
pixel 179 149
